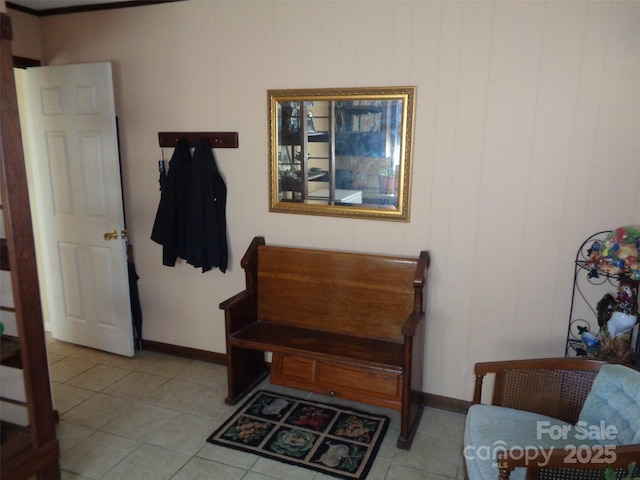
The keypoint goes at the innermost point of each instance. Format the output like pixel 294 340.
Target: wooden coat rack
pixel 217 139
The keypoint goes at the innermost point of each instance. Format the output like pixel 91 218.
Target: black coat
pixel 170 226
pixel 207 223
pixel 191 219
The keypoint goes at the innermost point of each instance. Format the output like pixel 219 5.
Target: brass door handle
pixel 112 235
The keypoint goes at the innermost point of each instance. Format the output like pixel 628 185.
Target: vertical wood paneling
pixel 291 31
pixel 324 42
pixel 548 175
pixel 188 67
pixel 230 41
pixel 243 222
pixel 444 146
pixel 615 148
pixel 401 43
pixel 374 59
pixel 525 143
pixel 576 222
pixel 254 43
pixel 347 15
pixel 467 164
pixel 425 36
pixel 130 73
pixel 512 94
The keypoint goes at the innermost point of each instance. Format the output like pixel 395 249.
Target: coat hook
pixel 220 139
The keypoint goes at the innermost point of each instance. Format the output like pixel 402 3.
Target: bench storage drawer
pixel 363 384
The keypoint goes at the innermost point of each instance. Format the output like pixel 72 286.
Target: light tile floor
pixel 148 418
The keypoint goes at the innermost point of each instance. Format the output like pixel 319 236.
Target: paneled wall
pixel 526 142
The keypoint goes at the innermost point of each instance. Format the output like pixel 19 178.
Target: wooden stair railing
pixel 9 345
pixel 29 451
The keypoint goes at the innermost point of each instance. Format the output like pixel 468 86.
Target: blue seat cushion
pixel 491 428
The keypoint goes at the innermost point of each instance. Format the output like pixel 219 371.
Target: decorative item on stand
pixel 614 258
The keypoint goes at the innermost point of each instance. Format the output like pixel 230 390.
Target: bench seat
pixel 273 337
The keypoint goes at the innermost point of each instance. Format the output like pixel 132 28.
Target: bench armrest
pixel 239 311
pixel 411 324
pixel 424 260
pixel 585 462
pixel 236 299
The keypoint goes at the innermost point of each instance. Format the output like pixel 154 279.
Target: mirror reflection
pixel 341 152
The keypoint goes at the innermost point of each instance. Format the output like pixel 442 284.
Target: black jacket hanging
pixel 170 226
pixel 207 223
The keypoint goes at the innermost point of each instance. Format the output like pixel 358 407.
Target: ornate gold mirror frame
pixel 342 152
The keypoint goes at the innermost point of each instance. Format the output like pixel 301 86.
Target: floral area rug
pixel 331 439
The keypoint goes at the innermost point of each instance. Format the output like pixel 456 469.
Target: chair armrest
pixel 411 324
pixel 579 459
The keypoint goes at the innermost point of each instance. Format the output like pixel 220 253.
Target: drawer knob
pixel 332 393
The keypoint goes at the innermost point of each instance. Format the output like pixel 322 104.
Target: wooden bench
pixel 343 324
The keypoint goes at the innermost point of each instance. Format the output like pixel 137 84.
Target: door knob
pixel 112 235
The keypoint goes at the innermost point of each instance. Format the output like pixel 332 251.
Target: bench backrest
pixel 349 293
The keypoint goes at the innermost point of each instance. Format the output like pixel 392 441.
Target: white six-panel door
pixel 76 197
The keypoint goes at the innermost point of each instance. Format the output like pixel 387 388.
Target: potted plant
pixel 387 178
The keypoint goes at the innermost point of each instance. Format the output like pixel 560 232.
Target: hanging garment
pixel 207 223
pixel 136 309
pixel 169 228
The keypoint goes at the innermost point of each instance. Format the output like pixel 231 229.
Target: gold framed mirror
pixel 343 152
